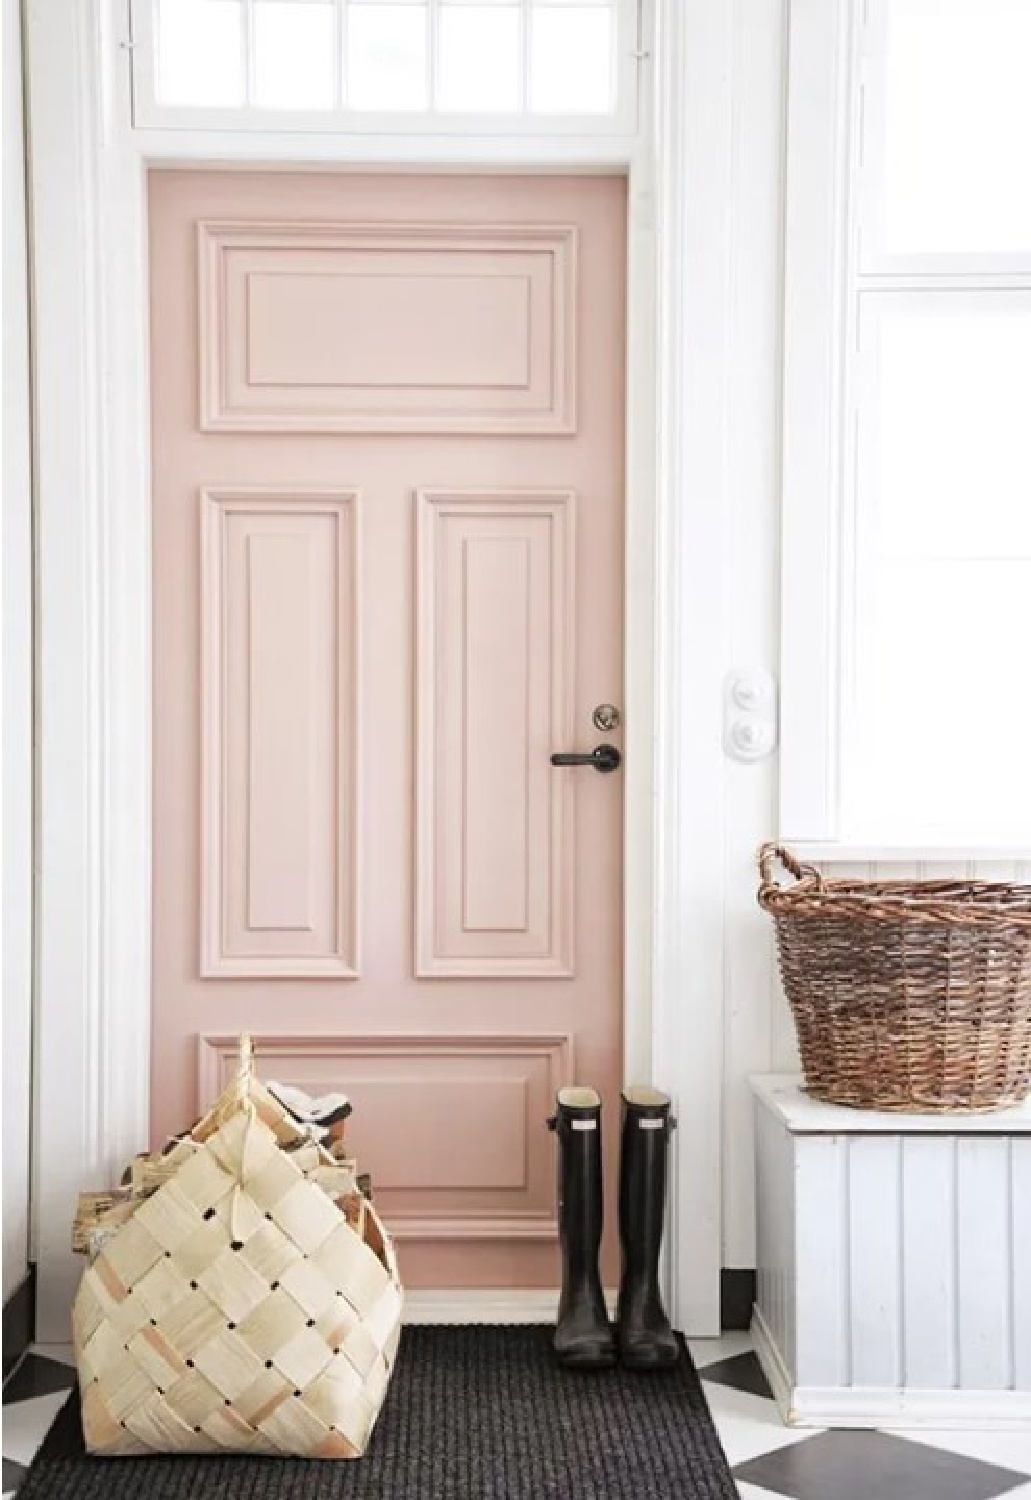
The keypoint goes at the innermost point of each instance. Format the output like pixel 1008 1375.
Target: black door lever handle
pixel 602 758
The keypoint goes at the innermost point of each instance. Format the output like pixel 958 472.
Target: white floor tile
pixel 1010 1450
pixel 748 1425
pixel 753 1492
pixel 26 1424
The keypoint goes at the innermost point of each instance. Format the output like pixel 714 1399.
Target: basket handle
pixel 245 1072
pixel 770 855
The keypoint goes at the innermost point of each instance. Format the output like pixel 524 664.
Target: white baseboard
pixel 488 1306
pixel 873 1406
pixel 773 1366
pixel 880 1406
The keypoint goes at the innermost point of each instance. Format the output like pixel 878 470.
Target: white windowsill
pixel 828 853
pixel 785 1095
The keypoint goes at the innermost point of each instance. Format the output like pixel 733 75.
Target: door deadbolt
pixel 606 717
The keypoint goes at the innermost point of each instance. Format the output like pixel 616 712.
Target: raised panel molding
pixel 279 743
pixel 434 1179
pixel 416 327
pixel 495 821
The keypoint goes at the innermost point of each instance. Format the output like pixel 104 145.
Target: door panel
pixel 280 721
pixel 496 846
pixel 446 1183
pixel 388 522
pixel 417 327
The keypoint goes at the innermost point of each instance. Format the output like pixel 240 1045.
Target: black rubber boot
pixel 646 1340
pixel 583 1333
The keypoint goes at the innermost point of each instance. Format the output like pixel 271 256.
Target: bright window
pixel 949 133
pixel 908 542
pixel 364 64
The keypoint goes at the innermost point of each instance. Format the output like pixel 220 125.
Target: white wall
pixel 757 1029
pixel 17 676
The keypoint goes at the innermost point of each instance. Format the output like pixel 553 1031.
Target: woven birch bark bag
pixel 243 1294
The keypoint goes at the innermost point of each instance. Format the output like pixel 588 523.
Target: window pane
pixel 480 59
pixel 199 53
pixel 386 57
pixel 943 707
pixel 293 54
pixel 950 424
pixel 946 719
pixel 559 33
pixel 957 156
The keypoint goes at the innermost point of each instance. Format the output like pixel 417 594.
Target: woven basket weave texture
pixel 909 995
pixel 238 1309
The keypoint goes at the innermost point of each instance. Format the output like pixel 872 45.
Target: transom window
pixel 518 65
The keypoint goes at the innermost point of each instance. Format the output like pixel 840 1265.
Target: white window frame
pixel 825 272
pixel 631 22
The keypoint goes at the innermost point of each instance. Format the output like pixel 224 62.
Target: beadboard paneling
pixel 820 1290
pixel 982 1289
pixel 1020 1198
pixel 907 1257
pixel 775 1277
pixel 873 1211
pixel 928 1265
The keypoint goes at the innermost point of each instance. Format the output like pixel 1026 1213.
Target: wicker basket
pixel 908 995
pixel 250 1302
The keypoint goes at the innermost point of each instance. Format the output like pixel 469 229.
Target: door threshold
pixel 487 1305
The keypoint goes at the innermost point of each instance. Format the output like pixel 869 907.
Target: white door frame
pixel 93 499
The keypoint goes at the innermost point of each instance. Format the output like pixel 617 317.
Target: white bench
pixel 893 1263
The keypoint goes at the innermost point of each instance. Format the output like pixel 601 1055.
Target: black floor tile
pixel 38 1376
pixel 742 1371
pixel 13 1475
pixel 875 1466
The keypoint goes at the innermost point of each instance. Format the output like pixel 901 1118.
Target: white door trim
pixel 93 499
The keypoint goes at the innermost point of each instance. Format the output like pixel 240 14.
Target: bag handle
pixel 245 1071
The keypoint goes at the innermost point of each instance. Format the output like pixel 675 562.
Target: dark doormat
pixel 472 1414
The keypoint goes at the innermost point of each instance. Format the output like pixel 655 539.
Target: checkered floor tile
pixel 770 1461
pixel 33 1395
pixel 774 1462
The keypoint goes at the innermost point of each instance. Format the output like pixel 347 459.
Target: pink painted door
pixel 388 556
